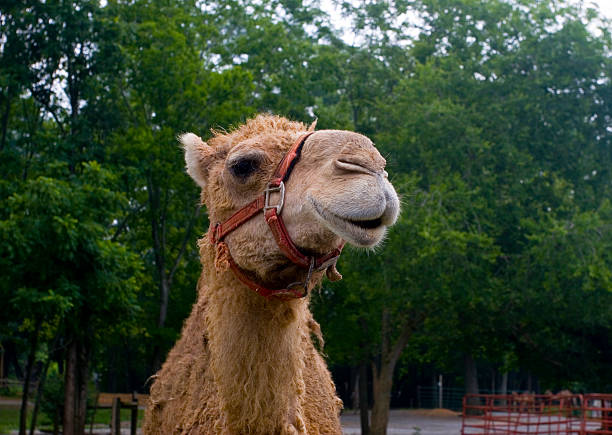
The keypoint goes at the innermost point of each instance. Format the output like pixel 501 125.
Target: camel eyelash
pixel 242 168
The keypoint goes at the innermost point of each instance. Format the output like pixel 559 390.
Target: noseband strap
pixel 272 215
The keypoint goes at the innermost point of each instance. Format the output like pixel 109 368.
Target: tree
pixel 55 57
pixel 166 89
pixel 63 272
pixel 398 295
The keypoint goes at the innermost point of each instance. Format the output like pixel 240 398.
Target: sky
pixel 605 6
pixel 333 9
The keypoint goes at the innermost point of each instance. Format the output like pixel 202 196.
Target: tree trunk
pixel 83 377
pixel 158 236
pixel 75 395
pixel 354 387
pixel 159 252
pixel 70 389
pixel 529 382
pixel 165 267
pixel 382 378
pixel 471 377
pixel 363 399
pixel 382 381
pixel 164 290
pixel 503 388
pixel 23 412
pixel 41 383
pixel 5 118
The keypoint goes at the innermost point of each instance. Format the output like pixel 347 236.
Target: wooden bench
pixel 117 401
pixel 106 399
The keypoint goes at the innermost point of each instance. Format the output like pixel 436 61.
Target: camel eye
pixel 244 167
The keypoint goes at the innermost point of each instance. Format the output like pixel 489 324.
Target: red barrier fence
pixel 550 414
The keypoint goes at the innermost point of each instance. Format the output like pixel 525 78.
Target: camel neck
pixel 255 349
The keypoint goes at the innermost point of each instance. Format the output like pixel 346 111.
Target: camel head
pixel 337 191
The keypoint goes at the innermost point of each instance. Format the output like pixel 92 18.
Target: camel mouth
pixel 367 224
pixel 365 233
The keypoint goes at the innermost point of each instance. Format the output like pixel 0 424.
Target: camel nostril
pixel 392 206
pixel 353 166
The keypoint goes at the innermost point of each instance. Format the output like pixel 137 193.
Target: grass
pixel 103 416
pixel 13 391
pixel 9 418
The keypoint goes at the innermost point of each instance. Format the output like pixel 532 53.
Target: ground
pixel 9 418
pixel 401 421
pixel 411 422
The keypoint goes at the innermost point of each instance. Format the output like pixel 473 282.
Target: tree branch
pixel 158 248
pixel 124 222
pixel 5 118
pixel 48 107
pixel 406 332
pixel 188 231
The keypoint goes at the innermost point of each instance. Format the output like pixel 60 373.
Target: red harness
pixel 272 214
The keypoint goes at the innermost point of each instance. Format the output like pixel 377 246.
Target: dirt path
pixel 12 401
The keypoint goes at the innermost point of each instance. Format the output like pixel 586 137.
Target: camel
pixel 246 361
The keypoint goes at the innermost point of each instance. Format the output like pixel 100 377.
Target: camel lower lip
pixel 360 232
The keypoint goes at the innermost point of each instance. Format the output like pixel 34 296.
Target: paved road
pixel 410 422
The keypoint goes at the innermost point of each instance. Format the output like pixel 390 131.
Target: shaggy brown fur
pixel 245 364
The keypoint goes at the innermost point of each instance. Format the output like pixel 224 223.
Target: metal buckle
pixel 271 189
pixel 306 282
pixel 327 263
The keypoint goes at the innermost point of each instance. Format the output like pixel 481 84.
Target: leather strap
pixel 274 220
pixel 284 168
pixel 281 174
pixel 286 245
pixel 296 292
pixel 220 230
pixel 283 240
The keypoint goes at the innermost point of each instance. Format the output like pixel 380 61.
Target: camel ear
pixel 198 157
pixel 313 125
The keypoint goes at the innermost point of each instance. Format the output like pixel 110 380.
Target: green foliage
pixel 54 247
pixel 166 89
pixel 497 109
pixel 52 404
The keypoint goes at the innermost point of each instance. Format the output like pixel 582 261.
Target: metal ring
pixel 270 189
